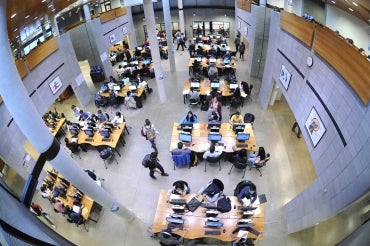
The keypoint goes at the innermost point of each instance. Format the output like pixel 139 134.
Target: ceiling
pixel 27 14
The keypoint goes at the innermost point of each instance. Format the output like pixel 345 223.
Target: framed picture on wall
pixel 55 85
pixel 112 38
pixel 315 127
pixel 285 77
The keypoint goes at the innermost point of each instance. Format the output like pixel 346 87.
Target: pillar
pixel 152 37
pixel 131 39
pixel 181 16
pixel 87 13
pixel 168 23
pixel 56 28
pixel 25 114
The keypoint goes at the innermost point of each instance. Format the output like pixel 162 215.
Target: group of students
pixel 245 191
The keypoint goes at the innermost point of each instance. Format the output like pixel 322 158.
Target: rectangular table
pixel 194 221
pixel 200 141
pixel 97 139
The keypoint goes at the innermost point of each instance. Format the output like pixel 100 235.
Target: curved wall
pixel 341 157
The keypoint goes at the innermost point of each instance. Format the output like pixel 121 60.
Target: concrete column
pixel 87 14
pixel 25 114
pixel 168 23
pixel 181 16
pixel 152 37
pixel 131 38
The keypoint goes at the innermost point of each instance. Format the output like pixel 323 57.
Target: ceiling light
pixel 15 29
pixel 355 4
pixel 350 9
pixel 13 15
pixel 53 10
pixel 333 2
pixel 50 6
pixel 27 16
pixel 35 18
pixel 43 1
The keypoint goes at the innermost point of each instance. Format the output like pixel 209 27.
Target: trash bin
pixel 97 74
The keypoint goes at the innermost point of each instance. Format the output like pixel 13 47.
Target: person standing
pixel 191 49
pixel 150 132
pixel 241 50
pixel 237 43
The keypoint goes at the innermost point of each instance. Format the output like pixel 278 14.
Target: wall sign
pixel 112 38
pixel 315 127
pixel 124 30
pixel 55 85
pixel 285 77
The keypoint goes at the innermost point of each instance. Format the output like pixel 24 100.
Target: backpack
pixel 139 104
pixel 150 134
pixel 224 204
pixel 142 132
pixel 105 153
pixel 146 161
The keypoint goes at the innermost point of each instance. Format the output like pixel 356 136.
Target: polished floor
pixel 288 172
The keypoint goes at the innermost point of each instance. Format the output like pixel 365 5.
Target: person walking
pixel 151 161
pixel 150 132
pixel 237 43
pixel 295 125
pixel 241 50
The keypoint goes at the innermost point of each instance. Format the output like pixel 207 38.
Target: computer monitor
pixel 233 86
pixel 74 132
pixel 117 87
pixel 242 136
pixel 238 127
pixel 199 59
pixel 134 62
pixel 139 48
pixel 104 133
pixel 226 61
pixel 214 136
pixel 215 84
pixel 132 87
pixel 185 137
pixel 195 85
pixel 89 132
pixel 126 80
pixel 218 36
pixel 214 127
pixel 187 127
pixel 147 61
pixel 212 60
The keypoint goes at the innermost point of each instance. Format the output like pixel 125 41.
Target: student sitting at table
pixel 102 117
pixel 257 156
pixel 84 115
pixel 193 95
pixel 212 71
pixel 236 118
pixel 212 190
pixel 179 187
pixel 167 238
pixel 212 152
pixel 190 117
pixel 118 119
pixel 184 156
pixel 239 156
pixel 214 118
pixel 130 101
pixel 248 191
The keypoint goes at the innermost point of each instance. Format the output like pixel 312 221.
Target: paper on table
pixel 196 126
pixel 242 234
pixel 185 92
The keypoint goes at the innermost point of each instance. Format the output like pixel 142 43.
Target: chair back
pixel 182 159
pixel 219 183
pixel 214 159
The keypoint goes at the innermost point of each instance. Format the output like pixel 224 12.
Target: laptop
pixel 132 87
pixel 195 85
pixel 212 60
pixel 215 85
pixel 117 87
pixel 233 86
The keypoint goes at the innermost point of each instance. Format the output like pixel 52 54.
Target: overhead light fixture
pixel 13 15
pixel 27 16
pixel 43 1
pixel 15 29
pixel 355 4
pixel 35 18
pixel 333 2
pixel 350 9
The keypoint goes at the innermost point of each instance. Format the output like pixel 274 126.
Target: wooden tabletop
pixel 194 221
pixel 219 63
pixel 200 141
pixel 205 88
pixel 58 126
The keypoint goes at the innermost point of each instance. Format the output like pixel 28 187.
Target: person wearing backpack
pixel 241 50
pixel 151 161
pixel 150 132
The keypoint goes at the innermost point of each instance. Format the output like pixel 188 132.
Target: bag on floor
pixel 139 104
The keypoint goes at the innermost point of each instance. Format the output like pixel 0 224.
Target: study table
pixel 194 222
pixel 140 91
pixel 219 64
pixel 200 141
pixel 205 88
pixel 98 140
pixel 58 126
pixel 68 199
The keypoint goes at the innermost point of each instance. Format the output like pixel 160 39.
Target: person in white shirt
pixel 212 152
pixel 118 119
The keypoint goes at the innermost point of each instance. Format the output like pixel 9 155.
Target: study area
pixel 290 178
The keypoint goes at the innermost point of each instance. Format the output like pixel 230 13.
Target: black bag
pixel 148 89
pixel 165 56
pixel 105 153
pixel 204 106
pixel 224 204
pixel 152 75
pixel 146 161
pixel 139 104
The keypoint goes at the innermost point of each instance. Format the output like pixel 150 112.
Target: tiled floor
pixel 288 172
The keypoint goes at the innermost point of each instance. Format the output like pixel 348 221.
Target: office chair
pixel 107 154
pixel 260 164
pixel 239 165
pixel 194 102
pixel 249 96
pixel 74 148
pixel 213 160
pixel 249 118
pixel 235 105
pixel 181 160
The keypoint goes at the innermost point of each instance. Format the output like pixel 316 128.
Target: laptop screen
pixel 183 137
pixel 215 84
pixel 242 136
pixel 233 86
pixel 117 87
pixel 132 87
pixel 199 59
pixel 214 137
pixel 195 84
pixel 212 60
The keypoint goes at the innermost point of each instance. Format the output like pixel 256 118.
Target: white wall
pixel 348 26
pixel 277 3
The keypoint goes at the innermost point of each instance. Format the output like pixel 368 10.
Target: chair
pixel 181 160
pixel 74 148
pixel 249 96
pixel 107 154
pixel 194 102
pixel 235 104
pixel 213 160
pixel 239 165
pixel 260 164
pixel 249 118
